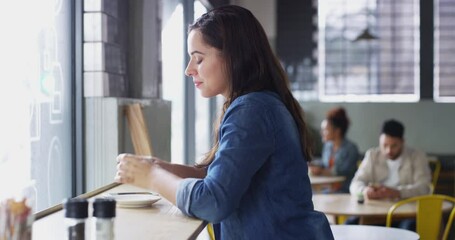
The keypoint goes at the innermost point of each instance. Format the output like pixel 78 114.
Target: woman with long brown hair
pixel 253 184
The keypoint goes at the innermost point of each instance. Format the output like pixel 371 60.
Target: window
pixel 444 51
pixel 203 124
pixel 385 68
pixel 173 87
pixel 295 45
pixel 173 54
pixel 36 88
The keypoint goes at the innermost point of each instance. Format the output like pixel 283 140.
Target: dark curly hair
pixel 338 118
pixel 393 128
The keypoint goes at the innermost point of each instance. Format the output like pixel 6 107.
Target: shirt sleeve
pixel 184 195
pixel 364 174
pixel 246 142
pixel 421 177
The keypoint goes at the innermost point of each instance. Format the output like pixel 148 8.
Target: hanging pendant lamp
pixel 365 35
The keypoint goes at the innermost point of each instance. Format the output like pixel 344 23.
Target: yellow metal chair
pixel 448 225
pixel 211 232
pixel 358 163
pixel 435 166
pixel 429 215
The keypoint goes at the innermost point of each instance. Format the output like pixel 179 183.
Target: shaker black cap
pixel 104 208
pixel 76 208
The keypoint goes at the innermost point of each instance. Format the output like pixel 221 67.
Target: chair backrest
pixel 138 130
pixel 435 166
pixel 358 163
pixel 429 214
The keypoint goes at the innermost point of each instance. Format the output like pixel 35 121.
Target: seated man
pixel 392 170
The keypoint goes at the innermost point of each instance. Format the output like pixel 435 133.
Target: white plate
pixel 134 200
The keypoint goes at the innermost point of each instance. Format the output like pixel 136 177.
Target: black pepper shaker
pixel 76 214
pixel 104 215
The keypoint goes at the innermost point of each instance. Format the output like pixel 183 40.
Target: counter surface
pixel 161 220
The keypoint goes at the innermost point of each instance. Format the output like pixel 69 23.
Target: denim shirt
pixel 257 187
pixel 346 158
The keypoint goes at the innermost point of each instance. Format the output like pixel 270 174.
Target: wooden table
pixel 324 180
pixel 344 204
pixel 361 232
pixel 162 220
pixel 319 183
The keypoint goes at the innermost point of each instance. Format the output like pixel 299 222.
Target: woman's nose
pixel 189 71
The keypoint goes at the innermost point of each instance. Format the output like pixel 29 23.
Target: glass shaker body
pixel 75 228
pixel 104 228
pixel 76 214
pixel 104 215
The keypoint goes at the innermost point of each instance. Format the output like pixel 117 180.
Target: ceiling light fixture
pixel 365 35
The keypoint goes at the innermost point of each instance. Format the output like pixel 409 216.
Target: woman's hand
pixel 315 170
pixel 136 170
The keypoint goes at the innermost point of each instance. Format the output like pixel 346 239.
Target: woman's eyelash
pixel 199 61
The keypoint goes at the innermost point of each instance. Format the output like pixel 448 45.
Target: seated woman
pixel 339 155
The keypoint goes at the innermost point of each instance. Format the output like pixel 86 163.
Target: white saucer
pixel 134 200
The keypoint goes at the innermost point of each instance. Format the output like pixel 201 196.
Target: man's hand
pixel 381 192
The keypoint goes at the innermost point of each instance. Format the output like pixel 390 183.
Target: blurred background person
pixel 392 171
pixel 339 154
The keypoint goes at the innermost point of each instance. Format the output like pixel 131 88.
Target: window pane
pixel 295 43
pixel 444 53
pixel 35 143
pixel 173 88
pixel 173 42
pixel 381 69
pixel 202 121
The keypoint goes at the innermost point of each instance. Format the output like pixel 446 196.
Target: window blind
pixel 444 51
pixel 381 69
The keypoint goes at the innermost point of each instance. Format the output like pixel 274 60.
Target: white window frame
pixel 436 82
pixel 323 97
